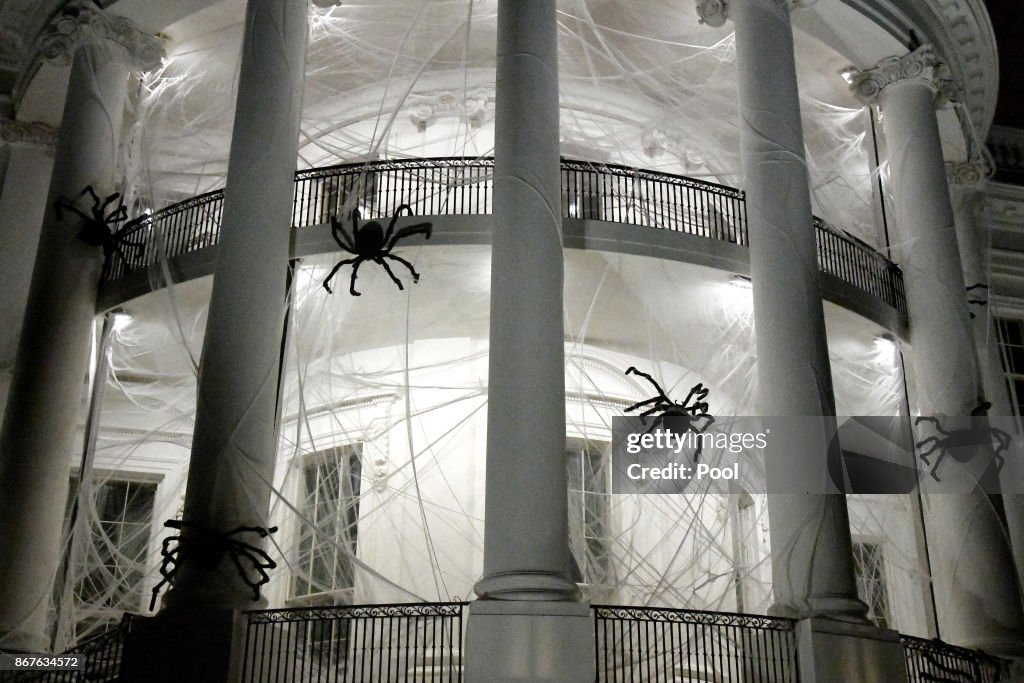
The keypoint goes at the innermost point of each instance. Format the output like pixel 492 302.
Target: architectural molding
pixel 715 12
pixel 84 23
pixel 961 33
pixel 923 64
pixel 33 133
pixel 476 107
pixel 965 174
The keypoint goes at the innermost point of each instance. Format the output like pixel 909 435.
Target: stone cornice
pixel 83 22
pixel 31 133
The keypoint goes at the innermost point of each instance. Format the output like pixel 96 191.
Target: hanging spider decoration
pixel 100 228
pixel 962 444
pixel 207 549
pixel 372 243
pixel 979 299
pixel 673 415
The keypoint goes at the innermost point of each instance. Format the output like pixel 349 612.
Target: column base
pixel 830 651
pixel 180 646
pixel 527 586
pixel 508 641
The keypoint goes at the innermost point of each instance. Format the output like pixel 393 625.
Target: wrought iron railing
pixel 658 645
pixel 410 642
pixel 933 661
pixel 463 186
pixel 102 655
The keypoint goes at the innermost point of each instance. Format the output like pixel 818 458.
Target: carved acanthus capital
pixel 83 23
pixel 922 64
pixel 32 133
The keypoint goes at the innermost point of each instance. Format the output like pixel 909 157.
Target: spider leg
pixel 942 454
pixel 425 229
pixel 92 193
pixel 642 403
pixel 415 275
pixel 260 560
pixel 64 204
pixel 352 282
pixel 925 453
pixel 340 236
pixel 336 268
pixel 115 249
pixel 633 371
pixel 387 268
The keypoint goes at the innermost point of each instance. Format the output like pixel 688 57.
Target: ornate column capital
pixel 716 12
pixel 83 22
pixel 922 64
pixel 968 175
pixel 32 133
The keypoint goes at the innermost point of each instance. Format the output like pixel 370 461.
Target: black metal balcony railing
pixel 655 645
pixel 410 642
pixel 463 186
pixel 934 660
pixel 102 654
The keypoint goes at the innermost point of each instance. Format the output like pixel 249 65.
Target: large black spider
pixel 963 444
pixel 100 228
pixel 691 418
pixel 372 243
pixel 207 548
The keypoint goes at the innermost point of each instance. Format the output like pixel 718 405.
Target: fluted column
pixel 234 445
pixel 812 563
pixel 47 383
pixel 975 587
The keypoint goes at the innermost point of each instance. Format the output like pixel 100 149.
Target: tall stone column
pixel 812 560
pixel 22 201
pixel 234 445
pixel 525 625
pixel 975 587
pixel 47 386
pixel 967 193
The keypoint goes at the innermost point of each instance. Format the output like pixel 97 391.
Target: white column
pixel 967 193
pixel 22 204
pixel 234 446
pixel 525 626
pixel 975 588
pixel 47 386
pixel 812 563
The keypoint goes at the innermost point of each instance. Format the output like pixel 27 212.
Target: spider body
pixel 207 549
pixel 99 227
pixel 371 242
pixel 962 444
pixel 681 417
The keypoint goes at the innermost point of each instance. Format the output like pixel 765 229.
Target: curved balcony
pixel 607 193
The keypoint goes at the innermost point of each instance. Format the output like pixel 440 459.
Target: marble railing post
pixel 977 600
pixel 47 388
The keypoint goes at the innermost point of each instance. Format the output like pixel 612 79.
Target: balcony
pixel 605 193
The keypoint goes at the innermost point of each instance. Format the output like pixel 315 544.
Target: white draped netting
pixel 378 492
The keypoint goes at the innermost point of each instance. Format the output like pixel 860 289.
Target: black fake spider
pixel 963 444
pixel 207 548
pixel 372 243
pixel 692 418
pixel 100 228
